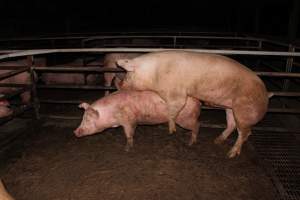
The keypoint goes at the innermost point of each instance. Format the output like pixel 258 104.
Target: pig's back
pixel 209 77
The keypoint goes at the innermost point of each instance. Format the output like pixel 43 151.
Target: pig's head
pixel 88 124
pixel 130 77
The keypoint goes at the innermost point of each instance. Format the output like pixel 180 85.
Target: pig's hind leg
pixel 231 126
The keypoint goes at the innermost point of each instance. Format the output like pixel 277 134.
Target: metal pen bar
pixel 18 111
pixel 105 50
pixel 14 85
pixel 14 93
pixel 279 74
pixel 13 73
pixel 85 87
pixel 78 69
pixel 11 67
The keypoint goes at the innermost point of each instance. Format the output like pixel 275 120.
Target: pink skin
pixel 4 195
pixel 130 108
pixel 109 61
pixel 4 110
pixel 66 78
pixel 214 79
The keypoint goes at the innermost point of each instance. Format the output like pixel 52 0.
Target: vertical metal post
pixel 34 99
pixel 288 68
pixel 174 41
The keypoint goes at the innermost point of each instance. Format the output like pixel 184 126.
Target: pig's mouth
pixel 78 132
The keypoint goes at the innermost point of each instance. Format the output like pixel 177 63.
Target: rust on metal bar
pixel 13 73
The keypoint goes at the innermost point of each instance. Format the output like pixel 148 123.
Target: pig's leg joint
pixel 231 126
pixel 243 136
pixel 194 134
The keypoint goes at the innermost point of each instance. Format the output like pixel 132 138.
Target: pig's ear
pixel 84 105
pixel 94 112
pixel 126 64
pixel 117 83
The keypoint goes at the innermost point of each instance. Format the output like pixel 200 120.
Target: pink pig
pixel 130 108
pixel 214 79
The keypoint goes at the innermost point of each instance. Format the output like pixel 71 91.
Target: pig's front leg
pixel 108 78
pixel 129 130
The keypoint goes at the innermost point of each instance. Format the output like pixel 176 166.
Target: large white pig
pixel 214 79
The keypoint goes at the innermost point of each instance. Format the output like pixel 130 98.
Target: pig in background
pixel 215 79
pixel 23 78
pixel 110 61
pixel 66 78
pixel 4 195
pixel 130 108
pixel 4 108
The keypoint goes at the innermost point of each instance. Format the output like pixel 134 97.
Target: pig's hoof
pixel 172 130
pixel 233 153
pixel 219 140
pixel 191 142
pixel 127 148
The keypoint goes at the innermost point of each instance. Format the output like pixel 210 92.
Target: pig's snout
pixel 78 132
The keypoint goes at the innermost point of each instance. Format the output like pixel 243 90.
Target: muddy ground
pixel 53 164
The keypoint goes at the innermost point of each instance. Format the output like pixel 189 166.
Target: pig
pixel 66 78
pixel 4 108
pixel 130 108
pixel 4 195
pixel 214 79
pixel 109 61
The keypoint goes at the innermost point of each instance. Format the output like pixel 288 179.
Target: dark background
pixel 37 17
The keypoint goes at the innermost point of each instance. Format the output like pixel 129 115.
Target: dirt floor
pixel 54 164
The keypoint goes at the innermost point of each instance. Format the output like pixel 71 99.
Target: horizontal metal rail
pixel 13 73
pixel 202 124
pixel 279 74
pixel 78 69
pixel 105 50
pixel 108 69
pixel 16 112
pixel 271 110
pixel 14 93
pixel 85 87
pixel 14 85
pixel 11 67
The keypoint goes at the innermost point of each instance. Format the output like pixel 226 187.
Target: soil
pixel 54 164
